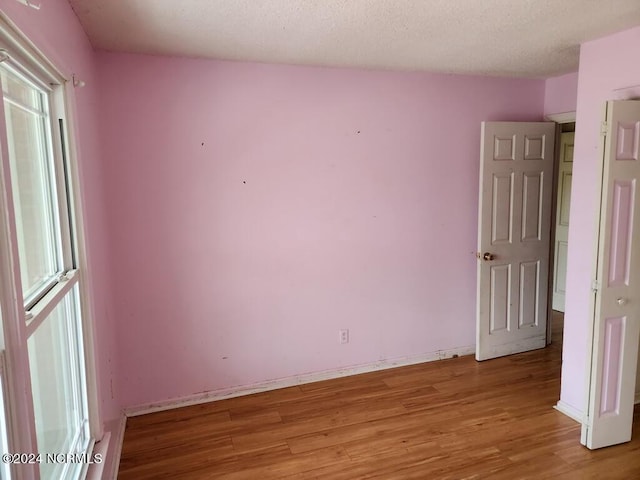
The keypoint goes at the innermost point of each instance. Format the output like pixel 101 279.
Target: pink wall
pixel 222 283
pixel 606 65
pixel 256 210
pixel 560 93
pixel 56 31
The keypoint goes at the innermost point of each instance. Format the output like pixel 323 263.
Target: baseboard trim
pixel 119 440
pixel 576 414
pixel 569 411
pixel 111 449
pixel 224 393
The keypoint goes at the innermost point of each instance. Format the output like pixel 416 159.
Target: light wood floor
pixel 453 419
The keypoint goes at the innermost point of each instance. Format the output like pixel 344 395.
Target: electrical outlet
pixel 343 335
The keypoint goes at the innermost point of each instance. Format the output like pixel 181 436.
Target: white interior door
pixel 616 324
pixel 514 221
pixel 562 221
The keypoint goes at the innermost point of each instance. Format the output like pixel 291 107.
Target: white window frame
pixel 17 386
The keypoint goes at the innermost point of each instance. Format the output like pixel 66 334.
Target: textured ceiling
pixel 534 38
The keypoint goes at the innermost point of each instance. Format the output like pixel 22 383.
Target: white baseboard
pixel 95 471
pixel 576 414
pixel 117 445
pixel 569 411
pixel 238 391
pixel 110 448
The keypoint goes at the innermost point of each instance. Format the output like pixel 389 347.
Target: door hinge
pixel 595 286
pixel 604 128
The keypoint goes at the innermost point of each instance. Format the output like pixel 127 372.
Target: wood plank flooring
pixel 452 419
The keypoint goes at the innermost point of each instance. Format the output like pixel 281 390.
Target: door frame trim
pixel 565 117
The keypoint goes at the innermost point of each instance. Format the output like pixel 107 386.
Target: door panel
pixel 500 282
pixel 529 284
pixel 501 218
pixel 562 221
pixel 616 327
pixel 531 215
pixel 513 228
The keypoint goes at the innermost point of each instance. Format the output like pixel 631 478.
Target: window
pixel 44 406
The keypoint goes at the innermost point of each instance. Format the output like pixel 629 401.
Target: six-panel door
pixel 516 177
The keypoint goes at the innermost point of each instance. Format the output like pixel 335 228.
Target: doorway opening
pixel 563 174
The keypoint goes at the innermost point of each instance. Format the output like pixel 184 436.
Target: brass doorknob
pixel 488 256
